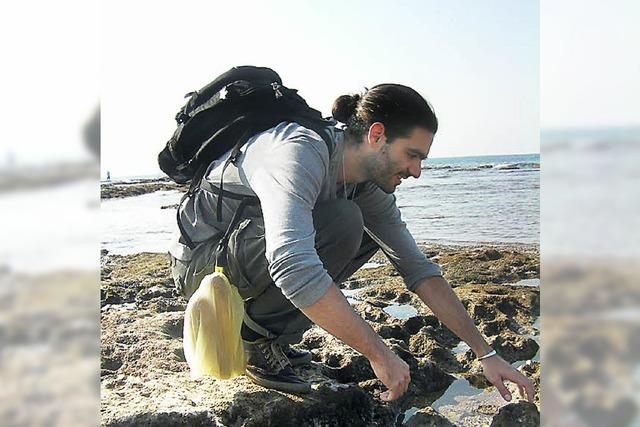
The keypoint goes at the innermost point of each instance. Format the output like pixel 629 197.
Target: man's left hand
pixel 497 370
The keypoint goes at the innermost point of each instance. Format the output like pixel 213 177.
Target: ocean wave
pixel 523 165
pixel 498 166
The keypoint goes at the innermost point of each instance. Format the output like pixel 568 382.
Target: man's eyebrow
pixel 418 153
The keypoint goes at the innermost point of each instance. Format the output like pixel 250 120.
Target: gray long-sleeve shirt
pixel 289 168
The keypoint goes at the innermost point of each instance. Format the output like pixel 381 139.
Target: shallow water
pixel 528 282
pixel 452 396
pixel 401 311
pixel 138 224
pixel 462 199
pixel 462 347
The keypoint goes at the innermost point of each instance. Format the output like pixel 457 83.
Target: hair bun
pixel 344 107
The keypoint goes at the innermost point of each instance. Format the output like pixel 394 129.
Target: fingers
pixel 398 389
pixel 524 384
pixel 504 392
pixel 530 391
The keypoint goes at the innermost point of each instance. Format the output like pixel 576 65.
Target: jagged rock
pixel 413 324
pixel 335 406
pixel 371 313
pixel 521 414
pixel 427 417
pixel 489 255
pixel 475 376
pixel 404 298
pixel 496 326
pixel 426 376
pixel 145 379
pixel 315 338
pixel 481 312
pixel 441 334
pixel 392 331
pixel 346 365
pixel 422 345
pixel 512 347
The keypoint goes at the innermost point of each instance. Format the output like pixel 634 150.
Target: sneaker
pixel 296 357
pixel 269 367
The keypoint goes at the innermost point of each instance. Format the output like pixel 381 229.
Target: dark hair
pixel 398 107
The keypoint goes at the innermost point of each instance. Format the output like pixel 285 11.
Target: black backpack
pixel 222 116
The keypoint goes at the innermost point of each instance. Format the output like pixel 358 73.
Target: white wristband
pixel 488 355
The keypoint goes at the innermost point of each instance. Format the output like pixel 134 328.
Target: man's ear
pixel 375 136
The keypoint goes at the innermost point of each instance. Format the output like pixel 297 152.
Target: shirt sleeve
pixel 383 222
pixel 288 179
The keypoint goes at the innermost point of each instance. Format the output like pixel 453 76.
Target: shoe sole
pixel 299 388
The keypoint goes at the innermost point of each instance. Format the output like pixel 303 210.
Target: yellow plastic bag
pixel 212 322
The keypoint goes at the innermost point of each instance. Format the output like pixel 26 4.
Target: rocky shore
pixel 109 190
pixel 145 379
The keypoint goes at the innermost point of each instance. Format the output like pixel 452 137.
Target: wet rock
pixel 404 298
pixel 490 255
pixel 475 376
pixel 512 347
pixel 481 312
pixel 174 328
pixel 489 266
pixel 315 338
pixel 200 418
pixel 371 313
pixel 495 326
pixel 145 379
pixel 441 334
pixel 413 324
pixel 346 367
pixel 392 331
pixel 423 346
pixel 427 417
pixel 113 190
pixel 521 414
pixel 426 376
pixel 340 406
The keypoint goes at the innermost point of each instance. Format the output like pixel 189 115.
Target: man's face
pixel 402 158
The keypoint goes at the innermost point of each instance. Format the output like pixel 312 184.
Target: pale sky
pixel 476 63
pixel 589 63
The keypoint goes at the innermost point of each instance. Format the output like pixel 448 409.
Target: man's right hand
pixel 393 372
pixel 333 313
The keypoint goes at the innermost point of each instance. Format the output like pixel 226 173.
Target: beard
pixel 383 172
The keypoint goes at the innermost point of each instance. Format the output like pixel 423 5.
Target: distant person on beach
pixel 323 214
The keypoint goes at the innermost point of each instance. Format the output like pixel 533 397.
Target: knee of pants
pixel 338 224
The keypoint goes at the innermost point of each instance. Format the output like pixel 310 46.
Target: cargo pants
pixel 341 243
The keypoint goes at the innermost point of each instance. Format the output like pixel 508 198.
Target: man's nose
pixel 416 169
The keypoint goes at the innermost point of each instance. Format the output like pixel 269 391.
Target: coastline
pixel 144 378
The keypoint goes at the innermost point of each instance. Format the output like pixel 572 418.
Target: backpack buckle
pixel 276 89
pixel 181 117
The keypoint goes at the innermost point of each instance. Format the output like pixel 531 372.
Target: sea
pixel 456 200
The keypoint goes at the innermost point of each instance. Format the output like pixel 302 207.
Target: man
pixel 324 211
